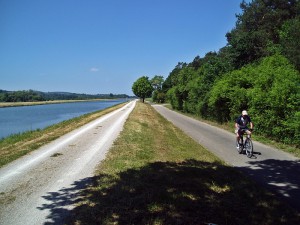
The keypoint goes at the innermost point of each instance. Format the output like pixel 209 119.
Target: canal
pixel 14 120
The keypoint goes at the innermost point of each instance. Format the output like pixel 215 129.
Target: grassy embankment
pixel 155 174
pixel 18 145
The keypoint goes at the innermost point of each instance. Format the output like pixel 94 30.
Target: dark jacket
pixel 243 122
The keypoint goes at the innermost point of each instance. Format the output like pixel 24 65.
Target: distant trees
pixel 157 82
pixel 21 96
pixel 34 96
pixel 142 88
pixel 158 95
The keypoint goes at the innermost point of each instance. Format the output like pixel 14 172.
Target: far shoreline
pixel 16 104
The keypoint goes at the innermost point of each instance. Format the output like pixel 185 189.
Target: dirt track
pixel 29 186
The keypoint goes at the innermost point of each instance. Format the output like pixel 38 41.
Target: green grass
pixel 155 174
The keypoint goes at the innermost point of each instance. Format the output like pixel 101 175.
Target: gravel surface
pixel 276 170
pixel 32 188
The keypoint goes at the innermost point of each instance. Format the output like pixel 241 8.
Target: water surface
pixel 15 120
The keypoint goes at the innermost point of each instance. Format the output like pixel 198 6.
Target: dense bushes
pixel 270 91
pixel 289 40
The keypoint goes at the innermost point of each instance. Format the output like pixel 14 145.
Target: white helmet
pixel 244 113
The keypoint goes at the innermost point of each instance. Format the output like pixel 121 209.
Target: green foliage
pixel 157 82
pixel 229 95
pixel 192 82
pixel 269 90
pixel 276 98
pixel 142 88
pixel 289 40
pixel 254 71
pixel 194 92
pixel 159 96
pixel 37 96
pixel 172 79
pixel 174 98
pixel 258 27
pixel 21 96
pixel 292 128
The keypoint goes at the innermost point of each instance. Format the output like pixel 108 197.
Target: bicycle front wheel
pixel 249 148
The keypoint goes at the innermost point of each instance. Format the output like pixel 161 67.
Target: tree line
pixel 35 96
pixel 257 70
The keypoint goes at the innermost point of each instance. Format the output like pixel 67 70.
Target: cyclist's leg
pixel 238 136
pixel 237 141
pixel 248 132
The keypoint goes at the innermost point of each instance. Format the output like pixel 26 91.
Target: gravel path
pixel 30 186
pixel 276 170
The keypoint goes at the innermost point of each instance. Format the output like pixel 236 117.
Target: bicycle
pixel 246 145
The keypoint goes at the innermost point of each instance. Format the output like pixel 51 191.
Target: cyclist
pixel 241 125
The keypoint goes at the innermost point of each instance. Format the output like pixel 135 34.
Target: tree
pixel 289 40
pixel 172 79
pixel 158 95
pixel 157 82
pixel 257 28
pixel 142 88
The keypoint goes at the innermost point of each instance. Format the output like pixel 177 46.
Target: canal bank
pixel 16 146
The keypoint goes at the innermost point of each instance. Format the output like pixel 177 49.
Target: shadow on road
pixel 189 192
pixel 280 176
pixel 62 202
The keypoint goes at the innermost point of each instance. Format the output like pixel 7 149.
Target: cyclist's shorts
pixel 244 130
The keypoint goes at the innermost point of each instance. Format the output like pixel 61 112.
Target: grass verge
pixel 18 145
pixel 155 174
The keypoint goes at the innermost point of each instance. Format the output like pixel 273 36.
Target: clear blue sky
pixel 103 46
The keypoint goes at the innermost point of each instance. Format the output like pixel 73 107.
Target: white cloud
pixel 94 69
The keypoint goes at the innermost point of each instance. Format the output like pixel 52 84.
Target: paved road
pixel 41 188
pixel 276 170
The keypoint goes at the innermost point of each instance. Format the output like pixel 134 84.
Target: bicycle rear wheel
pixel 249 148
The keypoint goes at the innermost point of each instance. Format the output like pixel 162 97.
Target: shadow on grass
pixel 190 192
